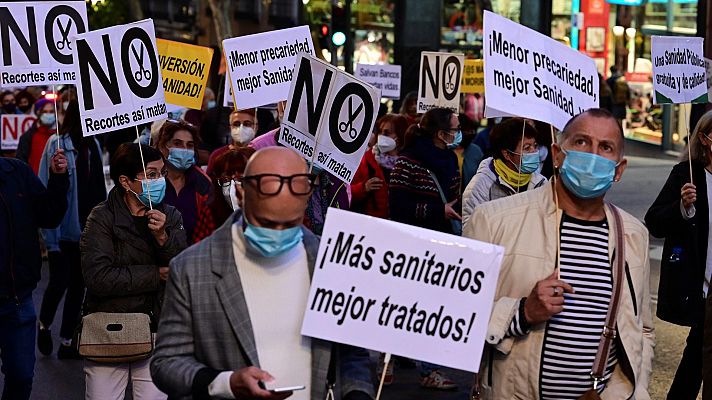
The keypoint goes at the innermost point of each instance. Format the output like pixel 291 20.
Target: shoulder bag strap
pixel 437 184
pixel 609 329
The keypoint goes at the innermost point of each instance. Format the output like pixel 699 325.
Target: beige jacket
pixel 527 226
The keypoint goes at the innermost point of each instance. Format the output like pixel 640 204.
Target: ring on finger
pixel 556 291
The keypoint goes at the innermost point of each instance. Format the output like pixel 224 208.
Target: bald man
pixel 556 283
pixel 230 326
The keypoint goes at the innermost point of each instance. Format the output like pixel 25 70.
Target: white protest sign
pixel 261 66
pixel 679 73
pixel 385 77
pixel 12 126
pixel 227 93
pixel 329 117
pixel 531 75
pixel 120 83
pixel 35 41
pixel 400 289
pixel 440 80
pixel 708 70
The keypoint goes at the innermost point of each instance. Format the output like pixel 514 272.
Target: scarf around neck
pixel 510 176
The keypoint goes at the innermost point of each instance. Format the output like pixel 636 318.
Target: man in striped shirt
pixel 556 282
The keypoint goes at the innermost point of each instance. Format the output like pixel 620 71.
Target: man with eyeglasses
pixel 234 303
pixel 243 125
pixel 571 260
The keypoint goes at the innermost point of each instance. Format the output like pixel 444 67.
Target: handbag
pixel 455 224
pixel 115 337
pixel 609 328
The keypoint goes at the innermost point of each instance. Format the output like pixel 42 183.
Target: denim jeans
pixel 17 347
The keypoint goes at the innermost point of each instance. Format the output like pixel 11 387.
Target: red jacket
pixel 373 203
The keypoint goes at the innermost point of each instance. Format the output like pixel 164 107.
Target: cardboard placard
pixel 120 83
pixel 385 77
pixel 473 77
pixel 36 42
pixel 531 75
pixel 679 72
pixel 261 66
pixel 400 289
pixel 12 126
pixel 185 69
pixel 329 117
pixel 440 80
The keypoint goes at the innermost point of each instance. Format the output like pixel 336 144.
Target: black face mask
pixel 26 108
pixel 11 107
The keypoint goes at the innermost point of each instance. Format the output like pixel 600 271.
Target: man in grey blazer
pixel 230 325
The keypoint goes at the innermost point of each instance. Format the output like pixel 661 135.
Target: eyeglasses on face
pixel 271 184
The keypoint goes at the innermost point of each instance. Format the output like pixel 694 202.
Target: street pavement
pixel 643 179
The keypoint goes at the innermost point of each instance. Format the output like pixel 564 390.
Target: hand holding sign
pixel 59 162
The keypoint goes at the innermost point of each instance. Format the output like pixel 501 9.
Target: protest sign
pixel 329 117
pixel 473 77
pixel 440 79
pixel 12 126
pixel 120 82
pixel 385 77
pixel 708 71
pixel 185 69
pixel 35 41
pixel 401 289
pixel 534 76
pixel 227 93
pixel 261 66
pixel 679 74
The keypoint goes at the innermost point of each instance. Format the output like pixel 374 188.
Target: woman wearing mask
pixel 228 167
pixel 187 186
pixel 369 188
pixel 86 190
pixel 32 143
pixel 126 247
pixel 409 108
pixel 512 169
pixel 681 216
pixel 424 189
pixel 243 125
pixel 25 100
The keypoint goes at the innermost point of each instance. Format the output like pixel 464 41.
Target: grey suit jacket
pixel 205 324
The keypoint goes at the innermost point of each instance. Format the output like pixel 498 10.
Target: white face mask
pixel 230 197
pixel 242 134
pixel 385 144
pixel 65 104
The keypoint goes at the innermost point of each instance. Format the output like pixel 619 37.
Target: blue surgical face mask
pixel 182 159
pixel 316 170
pixel 587 175
pixel 530 163
pixel 456 142
pixel 155 189
pixel 272 242
pixel 211 104
pixel 48 119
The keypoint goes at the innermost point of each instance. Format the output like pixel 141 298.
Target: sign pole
pixel 521 151
pixel 386 360
pixel 556 201
pixel 143 163
pixel 689 142
pixel 56 117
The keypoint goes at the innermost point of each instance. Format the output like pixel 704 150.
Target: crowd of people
pixel 210 228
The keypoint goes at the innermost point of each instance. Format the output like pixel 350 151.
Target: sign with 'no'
pixel 120 83
pixel 329 117
pixel 439 82
pixel 35 41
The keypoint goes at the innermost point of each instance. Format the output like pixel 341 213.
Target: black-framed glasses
pixel 271 184
pixel 153 174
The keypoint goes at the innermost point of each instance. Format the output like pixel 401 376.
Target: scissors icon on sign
pixel 64 43
pixel 349 126
pixel 142 72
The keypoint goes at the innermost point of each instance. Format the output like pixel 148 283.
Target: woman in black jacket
pixel 680 214
pixel 126 247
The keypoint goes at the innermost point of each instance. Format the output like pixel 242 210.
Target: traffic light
pixel 324 36
pixel 339 25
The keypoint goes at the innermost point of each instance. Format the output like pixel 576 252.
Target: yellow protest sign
pixel 185 69
pixel 473 78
